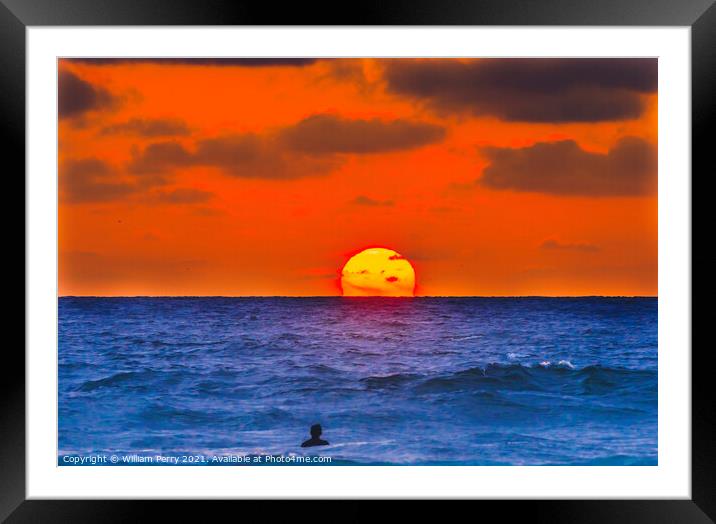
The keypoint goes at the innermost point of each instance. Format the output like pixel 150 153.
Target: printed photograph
pixel 357 261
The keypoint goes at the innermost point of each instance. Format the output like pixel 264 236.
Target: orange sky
pixel 492 177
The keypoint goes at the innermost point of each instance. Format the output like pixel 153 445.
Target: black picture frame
pixel 17 15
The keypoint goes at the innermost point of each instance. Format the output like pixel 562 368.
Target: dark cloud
pixel 348 70
pixel 257 156
pixel 563 168
pixel 76 96
pixel 91 180
pixel 186 61
pixel 559 246
pixel 362 200
pixel 311 147
pixel 185 196
pixel 529 89
pixel 241 155
pixel 326 134
pixel 157 157
pixel 248 156
pixel 148 127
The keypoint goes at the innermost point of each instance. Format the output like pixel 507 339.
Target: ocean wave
pixel 113 380
pixel 139 379
pixel 592 379
pixel 386 381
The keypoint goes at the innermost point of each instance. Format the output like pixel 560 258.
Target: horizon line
pixel 350 297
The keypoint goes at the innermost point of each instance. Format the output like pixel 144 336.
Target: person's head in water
pixel 315 440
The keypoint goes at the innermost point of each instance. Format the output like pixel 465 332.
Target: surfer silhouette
pixel 315 439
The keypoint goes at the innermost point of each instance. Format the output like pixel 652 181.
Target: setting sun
pixel 378 271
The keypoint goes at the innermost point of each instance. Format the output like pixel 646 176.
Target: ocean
pixel 392 381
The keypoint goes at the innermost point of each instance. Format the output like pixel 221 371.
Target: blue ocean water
pixel 478 381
